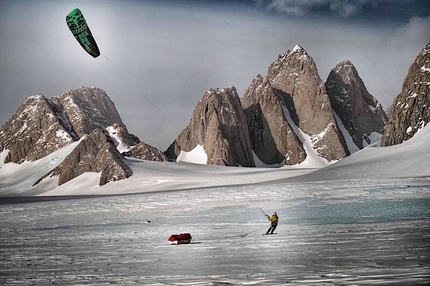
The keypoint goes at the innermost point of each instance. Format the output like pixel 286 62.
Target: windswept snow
pixel 17 179
pixel 3 156
pixel 361 221
pixel 354 233
pixel 149 177
pixel 409 159
pixel 197 156
pixel 348 139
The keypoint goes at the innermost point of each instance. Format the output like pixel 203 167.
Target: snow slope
pixel 164 176
pixel 337 233
pixel 361 229
pixel 409 159
pixel 17 179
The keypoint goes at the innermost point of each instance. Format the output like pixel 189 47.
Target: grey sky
pixel 159 57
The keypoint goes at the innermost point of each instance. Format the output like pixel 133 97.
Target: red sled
pixel 182 238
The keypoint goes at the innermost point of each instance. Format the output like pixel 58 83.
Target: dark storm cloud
pixel 370 9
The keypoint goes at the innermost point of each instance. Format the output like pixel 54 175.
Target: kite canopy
pixel 79 28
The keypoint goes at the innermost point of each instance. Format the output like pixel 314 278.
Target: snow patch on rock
pixel 197 156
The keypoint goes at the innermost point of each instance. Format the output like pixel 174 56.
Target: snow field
pixel 356 232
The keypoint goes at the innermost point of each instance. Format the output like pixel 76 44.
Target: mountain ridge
pixel 288 117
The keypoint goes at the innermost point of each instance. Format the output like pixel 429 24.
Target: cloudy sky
pixel 158 57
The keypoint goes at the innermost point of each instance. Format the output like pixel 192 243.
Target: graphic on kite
pixel 79 28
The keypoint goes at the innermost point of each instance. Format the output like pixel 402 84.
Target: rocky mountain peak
pixel 347 70
pixel 298 48
pixel 360 113
pixel 272 137
pixel 291 64
pixel 88 108
pixel 299 52
pixel 41 126
pixel 293 92
pixel 33 131
pixel 423 54
pixel 411 110
pixel 219 125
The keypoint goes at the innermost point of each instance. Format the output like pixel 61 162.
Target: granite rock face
pixel 41 126
pixel 219 125
pixel 88 108
pixel 411 110
pixel 94 153
pixel 293 86
pixel 272 138
pixel 34 131
pixel 146 152
pixel 361 114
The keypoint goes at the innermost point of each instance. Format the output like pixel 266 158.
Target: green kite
pixel 79 28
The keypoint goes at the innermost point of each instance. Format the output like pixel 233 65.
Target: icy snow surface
pixel 361 221
pixel 17 179
pixel 196 156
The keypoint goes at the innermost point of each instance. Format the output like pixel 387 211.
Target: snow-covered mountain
pixel 95 152
pixel 410 111
pixel 290 116
pixel 79 143
pixel 409 159
pixel 273 139
pixel 289 119
pixel 360 113
pixel 41 126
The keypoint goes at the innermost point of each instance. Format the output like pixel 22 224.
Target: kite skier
pixel 273 222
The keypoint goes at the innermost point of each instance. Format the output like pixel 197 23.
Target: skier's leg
pixel 273 227
pixel 269 230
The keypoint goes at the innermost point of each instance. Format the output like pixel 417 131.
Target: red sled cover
pixel 182 238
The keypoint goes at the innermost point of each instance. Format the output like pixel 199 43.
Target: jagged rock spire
pixel 361 114
pixel 219 125
pixel 297 88
pixel 411 110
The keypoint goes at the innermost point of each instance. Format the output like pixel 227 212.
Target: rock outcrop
pixel 88 108
pixel 219 125
pixel 95 153
pixel 293 83
pixel 272 138
pixel 123 140
pixel 411 110
pixel 146 152
pixel 41 126
pixel 361 114
pixel 34 131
